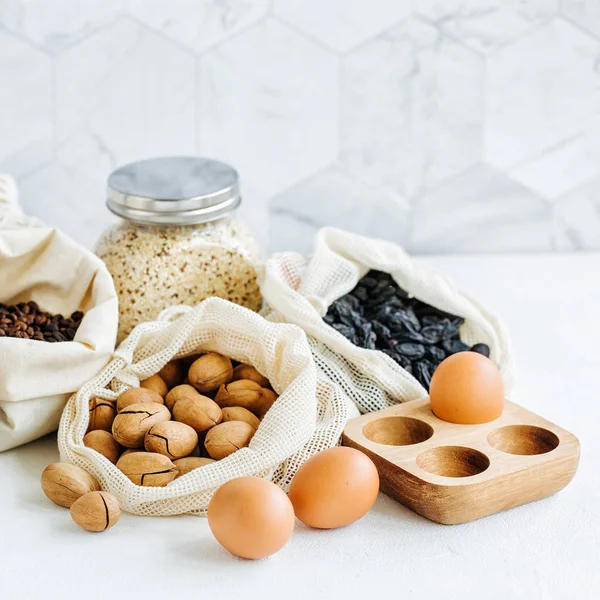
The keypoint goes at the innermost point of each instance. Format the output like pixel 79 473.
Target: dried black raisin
pixel 379 315
pixel 481 349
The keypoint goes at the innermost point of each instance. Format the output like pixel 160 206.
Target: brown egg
pixel 467 388
pixel 334 488
pixel 251 517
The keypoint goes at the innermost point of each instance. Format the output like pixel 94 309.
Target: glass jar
pixel 178 241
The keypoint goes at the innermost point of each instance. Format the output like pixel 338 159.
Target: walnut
pixel 172 439
pixel 244 371
pixel 103 442
pixel 138 396
pixel 132 423
pixel 244 393
pixel 210 371
pixel 147 468
pixel 237 413
pixel 227 438
pixel 64 483
pixel 155 383
pixel 96 511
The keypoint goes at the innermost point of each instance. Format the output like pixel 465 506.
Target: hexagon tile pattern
pixel 488 212
pixel 57 24
pixel 123 94
pixel 342 25
pixel 444 125
pixel 75 205
pixel 198 24
pixel 332 197
pixel 268 104
pixel 25 103
pixel 585 13
pixel 542 92
pixel 486 25
pixel 411 108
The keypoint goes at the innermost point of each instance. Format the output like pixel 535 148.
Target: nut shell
pixel 244 393
pixel 268 398
pixel 210 371
pixel 227 438
pixel 188 361
pixel 130 451
pixel 244 371
pixel 148 468
pixel 173 373
pixel 237 413
pixel 64 483
pixel 103 442
pixel 138 396
pixel 200 413
pixel 132 423
pixel 155 383
pixel 172 439
pixel 96 511
pixel 102 414
pixel 179 393
pixel 189 463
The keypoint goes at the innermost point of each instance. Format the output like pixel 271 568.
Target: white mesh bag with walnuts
pixel 300 290
pixel 308 416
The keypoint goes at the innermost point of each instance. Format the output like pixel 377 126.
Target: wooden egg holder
pixel 453 473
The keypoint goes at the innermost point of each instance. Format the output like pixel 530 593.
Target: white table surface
pixel 549 549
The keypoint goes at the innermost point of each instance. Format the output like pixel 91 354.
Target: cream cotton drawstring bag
pixel 42 264
pixel 300 290
pixel 308 416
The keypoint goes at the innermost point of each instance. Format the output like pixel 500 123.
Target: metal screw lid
pixel 173 190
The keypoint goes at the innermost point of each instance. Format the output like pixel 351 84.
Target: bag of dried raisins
pixel 378 324
pixel 58 321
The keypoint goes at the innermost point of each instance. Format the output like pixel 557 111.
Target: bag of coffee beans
pixel 378 324
pixel 58 321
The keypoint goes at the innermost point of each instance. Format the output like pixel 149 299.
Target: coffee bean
pixel 25 320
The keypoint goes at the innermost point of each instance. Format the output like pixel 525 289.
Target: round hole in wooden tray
pixel 453 461
pixel 524 440
pixel 397 431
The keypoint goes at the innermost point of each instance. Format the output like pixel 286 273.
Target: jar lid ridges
pixel 174 190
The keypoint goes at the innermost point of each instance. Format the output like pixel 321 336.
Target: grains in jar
pixel 179 242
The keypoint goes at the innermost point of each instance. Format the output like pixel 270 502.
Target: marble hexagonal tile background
pixel 445 125
pixel 25 105
pixel 411 108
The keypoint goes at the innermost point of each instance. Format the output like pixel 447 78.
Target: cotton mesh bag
pixel 300 290
pixel 308 416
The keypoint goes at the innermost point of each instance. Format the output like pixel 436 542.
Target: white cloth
pixel 42 264
pixel 299 290
pixel 308 416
